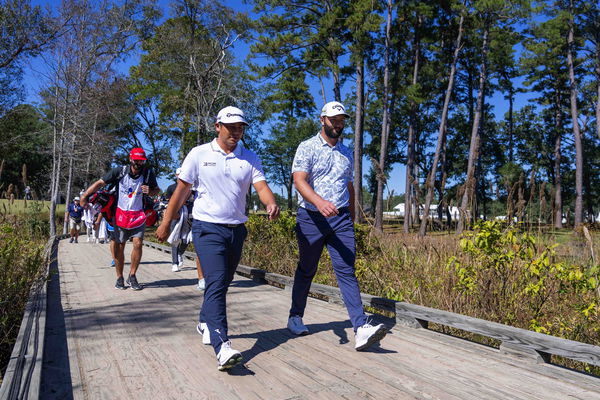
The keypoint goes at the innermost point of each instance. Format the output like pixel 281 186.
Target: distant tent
pixel 398 211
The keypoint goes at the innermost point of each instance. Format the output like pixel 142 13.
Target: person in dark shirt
pixel 130 219
pixel 74 213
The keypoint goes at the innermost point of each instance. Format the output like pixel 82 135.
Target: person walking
pixel 90 213
pixel 322 171
pixel 181 224
pixel 223 171
pixel 132 182
pixel 74 213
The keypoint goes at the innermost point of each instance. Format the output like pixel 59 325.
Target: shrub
pixel 493 272
pixel 21 263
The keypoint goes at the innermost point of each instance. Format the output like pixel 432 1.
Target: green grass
pixel 21 207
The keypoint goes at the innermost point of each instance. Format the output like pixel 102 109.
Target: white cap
pixel 332 109
pixel 231 115
pixel 76 198
pixel 178 171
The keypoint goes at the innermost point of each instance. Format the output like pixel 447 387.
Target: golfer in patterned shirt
pixel 322 171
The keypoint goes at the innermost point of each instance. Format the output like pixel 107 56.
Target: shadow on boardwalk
pixel 107 343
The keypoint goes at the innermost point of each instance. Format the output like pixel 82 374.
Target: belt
pixel 341 210
pixel 228 225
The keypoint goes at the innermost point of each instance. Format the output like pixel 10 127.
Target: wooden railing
pixel 527 344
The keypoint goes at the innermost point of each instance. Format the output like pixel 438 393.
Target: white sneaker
pixel 180 258
pixel 296 326
pixel 201 284
pixel 203 330
pixel 368 335
pixel 228 357
pixel 175 268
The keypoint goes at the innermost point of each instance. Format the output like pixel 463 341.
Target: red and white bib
pixel 130 207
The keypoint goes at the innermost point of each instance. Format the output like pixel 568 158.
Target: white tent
pixel 398 211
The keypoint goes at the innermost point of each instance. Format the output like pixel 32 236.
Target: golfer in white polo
pixel 224 171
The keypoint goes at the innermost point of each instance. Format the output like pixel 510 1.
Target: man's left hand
pixel 145 189
pixel 273 211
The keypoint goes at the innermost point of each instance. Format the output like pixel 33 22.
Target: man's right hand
pixel 327 209
pixel 162 233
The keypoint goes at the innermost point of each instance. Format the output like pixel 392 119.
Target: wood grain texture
pixel 140 345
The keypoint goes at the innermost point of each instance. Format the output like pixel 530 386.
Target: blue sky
pixel 34 80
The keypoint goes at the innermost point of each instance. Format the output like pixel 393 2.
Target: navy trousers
pixel 219 249
pixel 314 232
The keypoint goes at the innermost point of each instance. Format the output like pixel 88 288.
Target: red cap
pixel 138 154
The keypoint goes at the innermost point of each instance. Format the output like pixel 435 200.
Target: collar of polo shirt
pixel 324 142
pixel 237 151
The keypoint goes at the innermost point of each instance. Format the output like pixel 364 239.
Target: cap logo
pixel 235 115
pixel 338 107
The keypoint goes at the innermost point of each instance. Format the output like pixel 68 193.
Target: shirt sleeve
pixel 189 168
pixel 112 175
pixel 351 158
pixel 257 171
pixel 152 180
pixel 302 160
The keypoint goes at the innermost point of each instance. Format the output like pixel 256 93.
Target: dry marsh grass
pixel 494 272
pixel 22 240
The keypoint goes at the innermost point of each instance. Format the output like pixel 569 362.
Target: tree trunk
pixel 558 211
pixel 430 183
pixel 358 140
pixel 385 125
pixel 290 187
pixel 90 150
pixel 409 192
pixel 511 100
pixel 576 132
pixel 55 167
pixel 69 181
pixel 469 187
pixel 598 89
pixel 337 92
pixel 322 89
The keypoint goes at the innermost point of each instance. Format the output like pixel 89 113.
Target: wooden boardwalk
pixel 103 343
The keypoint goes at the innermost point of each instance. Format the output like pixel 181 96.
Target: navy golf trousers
pixel 314 231
pixel 219 248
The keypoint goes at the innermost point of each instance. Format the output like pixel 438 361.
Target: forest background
pixel 422 81
pixel 418 77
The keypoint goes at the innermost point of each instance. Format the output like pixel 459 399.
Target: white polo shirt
pixel 223 181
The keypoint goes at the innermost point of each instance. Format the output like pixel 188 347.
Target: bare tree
pixel 94 38
pixel 385 128
pixel 409 193
pixel 469 185
pixel 575 121
pixel 430 183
